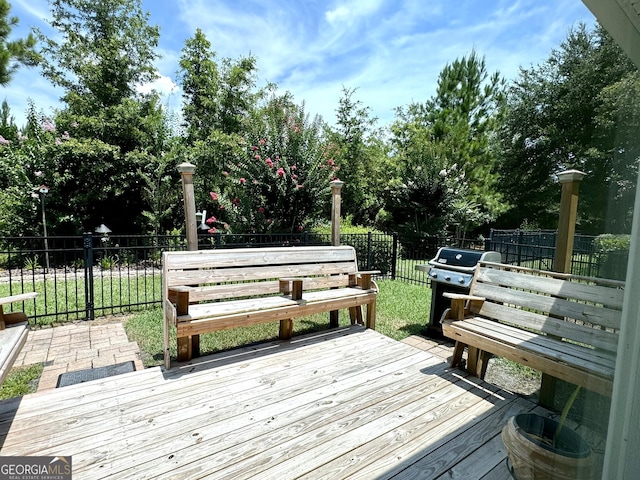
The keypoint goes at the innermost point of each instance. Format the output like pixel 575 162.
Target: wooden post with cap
pixel 570 181
pixel 336 199
pixel 187 170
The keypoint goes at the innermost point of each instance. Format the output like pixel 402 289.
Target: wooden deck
pixel 344 403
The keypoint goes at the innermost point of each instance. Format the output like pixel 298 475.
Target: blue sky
pixel 390 50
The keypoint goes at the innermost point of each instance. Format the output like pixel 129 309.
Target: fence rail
pixel 81 277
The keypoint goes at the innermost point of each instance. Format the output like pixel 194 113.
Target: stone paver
pixel 73 347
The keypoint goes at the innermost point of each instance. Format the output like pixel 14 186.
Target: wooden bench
pixel 563 325
pixel 211 290
pixel 14 328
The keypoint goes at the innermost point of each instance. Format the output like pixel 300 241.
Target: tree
pixel 104 53
pixel 15 52
pixel 443 149
pixel 107 50
pixel 201 88
pixel 217 104
pixel 561 115
pixel 355 157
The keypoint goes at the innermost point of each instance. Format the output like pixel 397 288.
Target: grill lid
pixel 462 260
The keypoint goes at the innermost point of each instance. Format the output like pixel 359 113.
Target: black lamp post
pixel 43 190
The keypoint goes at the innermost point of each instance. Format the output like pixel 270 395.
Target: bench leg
pixel 472 360
pixel 188 347
pixel 184 349
pixel 286 329
pixel 547 391
pixel 483 362
pixel 458 350
pixel 371 315
pixel 334 320
pixel 355 313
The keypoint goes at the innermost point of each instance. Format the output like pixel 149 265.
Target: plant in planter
pixel 541 448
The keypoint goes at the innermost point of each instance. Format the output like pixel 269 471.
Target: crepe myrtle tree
pixel 282 182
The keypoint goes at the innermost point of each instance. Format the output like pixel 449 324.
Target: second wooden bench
pixel 209 290
pixel 563 325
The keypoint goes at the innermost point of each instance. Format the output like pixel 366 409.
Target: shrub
pixel 613 254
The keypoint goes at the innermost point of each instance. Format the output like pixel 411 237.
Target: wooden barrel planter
pixel 528 440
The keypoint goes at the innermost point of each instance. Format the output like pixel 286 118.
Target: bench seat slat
pixel 562 351
pixel 567 372
pixel 210 323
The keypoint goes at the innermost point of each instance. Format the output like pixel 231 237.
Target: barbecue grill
pixel 451 270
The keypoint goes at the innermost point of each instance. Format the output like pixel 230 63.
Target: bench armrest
pixel 21 297
pixel 462 296
pixel 461 305
pixel 180 296
pixel 363 279
pixel 292 286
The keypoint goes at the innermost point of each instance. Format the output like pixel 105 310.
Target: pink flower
pixel 212 220
pixel 243 181
pixel 269 162
pixel 280 172
pixel 4 141
pixel 262 141
pixel 300 228
pixel 257 157
pixel 254 148
pixel 293 167
pixel 236 201
pixel 298 186
pixel 47 126
pixel 214 196
pixel 261 209
pixel 225 173
pixel 294 176
pixel 330 162
pixel 65 136
pixel 212 230
pixel 221 207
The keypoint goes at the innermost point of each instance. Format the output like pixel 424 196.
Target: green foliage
pixel 613 255
pixel 16 52
pixel 362 156
pixel 575 110
pixel 281 182
pixel 115 35
pixel 446 163
pixel 612 243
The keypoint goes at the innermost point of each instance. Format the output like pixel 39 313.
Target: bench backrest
pixel 233 273
pixel 582 309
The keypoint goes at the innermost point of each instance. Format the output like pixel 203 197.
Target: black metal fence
pixel 81 277
pixel 537 249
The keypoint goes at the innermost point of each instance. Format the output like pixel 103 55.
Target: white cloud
pixel 163 85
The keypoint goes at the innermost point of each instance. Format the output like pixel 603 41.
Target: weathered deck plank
pixel 348 403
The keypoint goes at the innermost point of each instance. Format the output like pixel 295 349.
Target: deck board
pixel 345 403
